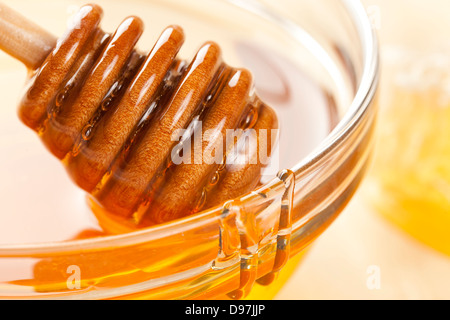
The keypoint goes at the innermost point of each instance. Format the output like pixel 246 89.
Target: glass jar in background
pixel 410 180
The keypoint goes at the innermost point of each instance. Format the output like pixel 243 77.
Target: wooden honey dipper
pixel 109 113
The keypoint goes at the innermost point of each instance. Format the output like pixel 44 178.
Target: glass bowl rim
pixel 361 102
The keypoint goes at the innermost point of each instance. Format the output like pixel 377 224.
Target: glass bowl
pixel 241 246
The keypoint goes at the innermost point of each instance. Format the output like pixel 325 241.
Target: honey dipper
pixel 109 113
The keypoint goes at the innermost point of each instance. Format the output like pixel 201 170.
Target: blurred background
pixel 393 241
